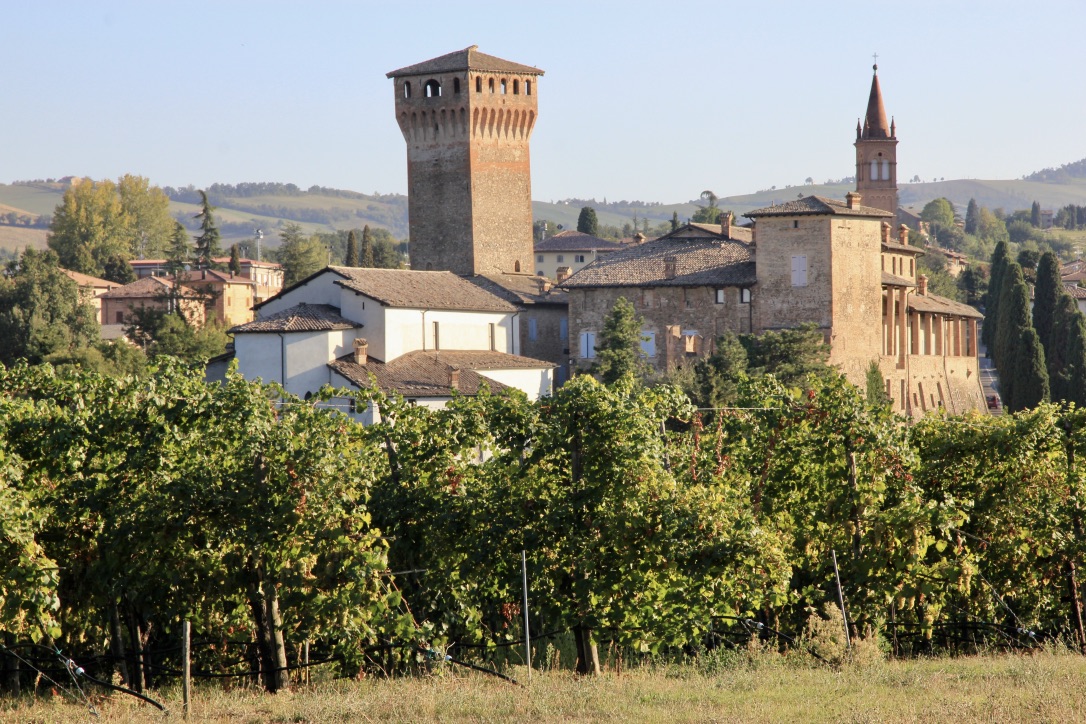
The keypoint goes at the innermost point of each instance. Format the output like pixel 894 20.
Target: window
pixel 588 345
pixel 744 296
pixel 490 85
pixel 478 84
pixel 528 87
pixel 561 258
pixel 795 224
pixel 456 86
pixel 437 337
pixel 493 337
pixel 648 343
pixel 539 257
pixel 120 317
pixel 407 89
pixel 579 258
pixel 563 328
pixel 533 330
pixel 874 170
pixel 911 270
pixel 433 89
pixel 516 266
pixel 504 84
pixel 516 87
pixel 719 296
pixel 799 270
pixel 885 170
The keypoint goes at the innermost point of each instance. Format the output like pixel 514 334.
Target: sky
pixel 650 101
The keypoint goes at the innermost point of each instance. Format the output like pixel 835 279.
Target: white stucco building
pixel 426 335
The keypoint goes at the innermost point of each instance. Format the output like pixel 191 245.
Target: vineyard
pixel 287 534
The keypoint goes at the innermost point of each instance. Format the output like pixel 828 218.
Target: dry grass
pixel 17 238
pixel 1042 687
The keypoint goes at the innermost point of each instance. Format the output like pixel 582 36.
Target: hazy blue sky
pixel 641 100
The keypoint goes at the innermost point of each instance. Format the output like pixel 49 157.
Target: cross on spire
pixel 876 58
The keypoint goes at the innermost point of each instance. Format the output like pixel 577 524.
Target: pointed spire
pixel 875 124
pixel 893 128
pixel 858 130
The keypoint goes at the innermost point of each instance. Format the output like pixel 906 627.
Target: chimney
pixel 669 267
pixel 853 199
pixel 544 285
pixel 922 285
pixel 639 238
pixel 903 234
pixel 726 221
pixel 562 274
pixel 361 351
pixel 454 378
pixel 885 233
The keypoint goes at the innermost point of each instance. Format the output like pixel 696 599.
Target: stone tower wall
pixel 781 305
pixel 878 192
pixel 469 176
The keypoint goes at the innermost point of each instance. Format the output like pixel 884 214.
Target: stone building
pixel 91 289
pixel 571 251
pixel 467 118
pixel 152 293
pixel 229 298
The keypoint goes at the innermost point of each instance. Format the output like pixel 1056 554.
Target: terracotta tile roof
pixel 299 318
pixel 935 304
pixel 706 260
pixel 576 241
pixel 428 374
pixel 816 206
pixel 148 287
pixel 1075 291
pixel 1075 276
pixel 467 59
pixel 893 279
pixel 86 280
pixel 901 248
pixel 420 289
pixel 520 289
pixel 210 275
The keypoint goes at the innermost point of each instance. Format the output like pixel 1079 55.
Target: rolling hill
pixel 246 207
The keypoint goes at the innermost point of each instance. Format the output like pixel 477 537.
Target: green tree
pixel 352 258
pixel 208 245
pixel 41 311
pixel 1030 378
pixel 1064 356
pixel 587 223
pixel 235 260
pixel 674 220
pixel 1046 299
pixel 939 212
pixel 790 355
pixel 1072 373
pixel 367 257
pixel 179 253
pixel 973 284
pixel 718 376
pixel 971 217
pixel 876 386
pixel 618 349
pixel 146 209
pixel 300 255
pixel 991 300
pixel 1035 215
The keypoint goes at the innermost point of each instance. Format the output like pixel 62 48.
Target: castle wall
pixel 780 304
pixel 931 382
pixel 856 296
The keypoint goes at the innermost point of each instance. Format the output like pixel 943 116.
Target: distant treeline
pixel 1063 174
pixel 14 218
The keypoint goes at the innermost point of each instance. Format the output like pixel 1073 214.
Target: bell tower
pixel 467 118
pixel 876 153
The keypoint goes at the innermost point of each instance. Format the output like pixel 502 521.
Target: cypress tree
pixel 1046 298
pixel 1035 215
pixel 588 224
pixel 971 217
pixel 1030 386
pixel 1073 374
pixel 1013 318
pixel 619 348
pixel 207 243
pixel 235 260
pixel 352 249
pixel 366 253
pixel 674 220
pixel 1063 360
pixel 991 299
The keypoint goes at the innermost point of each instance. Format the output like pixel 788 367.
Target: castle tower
pixel 467 118
pixel 876 153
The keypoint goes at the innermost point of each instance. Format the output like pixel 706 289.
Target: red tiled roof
pixel 420 289
pixel 149 287
pixel 816 205
pixel 935 304
pixel 210 275
pixel 428 374
pixel 86 280
pixel 576 241
pixel 467 59
pixel 299 318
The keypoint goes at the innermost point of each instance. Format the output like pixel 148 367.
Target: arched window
pixel 874 170
pixel 886 170
pixel 456 86
pixel 504 84
pixel 407 89
pixel 516 266
pixel 478 84
pixel 491 84
pixel 516 87
pixel 433 88
pixel 528 87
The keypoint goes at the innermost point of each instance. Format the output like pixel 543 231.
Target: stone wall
pixel 550 345
pixel 930 382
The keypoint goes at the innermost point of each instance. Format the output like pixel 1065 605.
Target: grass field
pixel 1047 686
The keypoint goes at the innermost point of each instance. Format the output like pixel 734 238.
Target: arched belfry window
pixel 456 86
pixel 478 84
pixel 407 89
pixel 433 88
pixel 516 87
pixel 528 87
pixel 874 170
pixel 885 170
pixel 504 84
pixel 491 84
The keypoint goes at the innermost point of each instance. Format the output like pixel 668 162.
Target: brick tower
pixel 467 118
pixel 876 153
